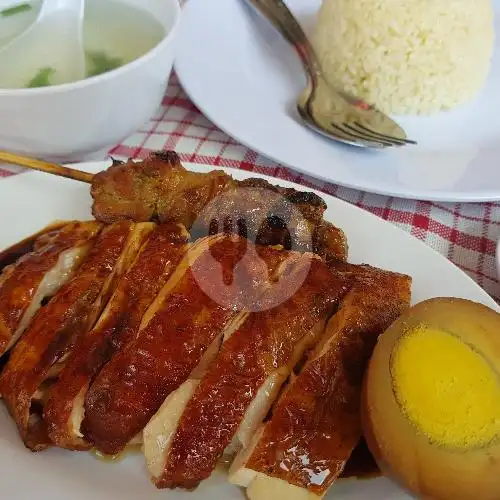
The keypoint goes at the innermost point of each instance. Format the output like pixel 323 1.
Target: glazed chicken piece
pixel 160 188
pixel 272 215
pixel 316 423
pixel 330 243
pixel 38 274
pixel 263 213
pixel 117 326
pixel 232 399
pixel 41 353
pixel 179 336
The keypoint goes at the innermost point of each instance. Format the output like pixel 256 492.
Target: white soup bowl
pixel 69 122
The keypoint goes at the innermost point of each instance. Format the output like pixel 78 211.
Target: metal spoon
pixel 324 108
pixel 49 51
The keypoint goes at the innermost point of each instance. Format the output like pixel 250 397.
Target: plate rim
pixel 420 194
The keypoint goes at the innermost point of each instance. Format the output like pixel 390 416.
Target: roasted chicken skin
pixel 183 325
pixel 118 325
pixel 37 275
pixel 316 423
pixel 159 188
pixel 247 375
pixel 44 348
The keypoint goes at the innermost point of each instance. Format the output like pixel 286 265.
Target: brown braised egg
pixel 431 401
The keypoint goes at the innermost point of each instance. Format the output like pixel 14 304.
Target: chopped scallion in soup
pixel 16 9
pixel 42 78
pixel 100 62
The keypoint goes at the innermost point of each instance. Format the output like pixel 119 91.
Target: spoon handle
pixel 51 7
pixel 280 16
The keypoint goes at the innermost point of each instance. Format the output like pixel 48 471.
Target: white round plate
pixel 245 78
pixel 32 200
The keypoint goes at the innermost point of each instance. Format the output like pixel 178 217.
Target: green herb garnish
pixel 42 78
pixel 17 9
pixel 100 63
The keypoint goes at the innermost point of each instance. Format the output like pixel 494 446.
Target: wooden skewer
pixel 43 166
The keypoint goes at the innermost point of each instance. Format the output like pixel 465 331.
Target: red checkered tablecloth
pixel 466 233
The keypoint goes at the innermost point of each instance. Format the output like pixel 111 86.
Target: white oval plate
pixel 32 200
pixel 245 78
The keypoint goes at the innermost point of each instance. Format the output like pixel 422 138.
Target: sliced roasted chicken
pixel 39 274
pixel 46 344
pixel 118 324
pixel 180 334
pixel 315 425
pixel 239 388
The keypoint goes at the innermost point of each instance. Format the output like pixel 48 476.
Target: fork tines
pixel 367 133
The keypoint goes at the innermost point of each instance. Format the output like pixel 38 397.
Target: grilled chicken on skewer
pixel 42 351
pixel 37 275
pixel 316 423
pixel 170 192
pixel 159 188
pixel 235 395
pixel 180 334
pixel 118 324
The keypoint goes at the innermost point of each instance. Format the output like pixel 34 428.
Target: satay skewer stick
pixel 43 166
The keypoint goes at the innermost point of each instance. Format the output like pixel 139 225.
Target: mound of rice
pixel 407 56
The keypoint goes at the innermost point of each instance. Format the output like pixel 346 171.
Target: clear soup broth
pixel 114 34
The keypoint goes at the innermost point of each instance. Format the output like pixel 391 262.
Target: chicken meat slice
pixel 39 274
pixel 316 423
pixel 201 302
pixel 46 344
pixel 233 398
pixel 117 326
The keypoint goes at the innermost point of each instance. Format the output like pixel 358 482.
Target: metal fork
pixel 324 108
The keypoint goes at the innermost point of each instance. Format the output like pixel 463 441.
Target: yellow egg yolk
pixel 447 390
